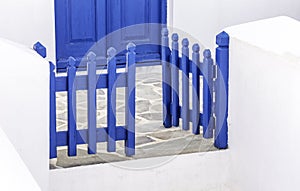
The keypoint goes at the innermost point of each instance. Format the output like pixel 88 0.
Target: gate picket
pixel 196 89
pixel 175 81
pixel 92 104
pixel 166 79
pixel 72 130
pixel 111 99
pixel 185 64
pixel 207 71
pixel 130 100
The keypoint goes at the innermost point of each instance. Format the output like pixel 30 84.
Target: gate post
pixel 222 60
pixel 53 151
pixel 166 79
pixel 130 100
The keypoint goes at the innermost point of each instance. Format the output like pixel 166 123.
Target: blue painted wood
pixel 207 70
pixel 82 136
pixel 222 60
pixel 111 99
pixel 130 100
pixel 92 104
pixel 175 81
pixel 79 24
pixel 190 114
pixel 185 84
pixel 196 89
pixel 135 18
pixel 71 108
pixel 166 79
pixel 82 83
pixel 149 59
pixel 53 151
pixel 40 49
pixel 164 11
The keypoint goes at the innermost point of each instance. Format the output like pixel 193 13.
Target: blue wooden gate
pixel 79 24
pixel 213 118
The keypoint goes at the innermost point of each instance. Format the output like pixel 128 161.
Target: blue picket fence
pixel 213 119
pixel 214 114
pixel 91 82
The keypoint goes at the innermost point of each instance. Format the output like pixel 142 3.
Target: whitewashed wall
pixel 204 19
pixel 264 105
pixel 24 107
pixel 28 21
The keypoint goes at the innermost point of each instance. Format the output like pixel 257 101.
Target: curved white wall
pixel 24 106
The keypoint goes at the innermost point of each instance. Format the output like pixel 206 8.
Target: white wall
pixel 203 19
pixel 13 169
pixel 264 105
pixel 198 171
pixel 27 22
pixel 24 111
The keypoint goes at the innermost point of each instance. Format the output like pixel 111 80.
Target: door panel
pixel 138 16
pixel 82 26
pixel 79 24
pixel 134 18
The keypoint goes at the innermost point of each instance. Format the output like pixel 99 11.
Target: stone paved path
pixel 152 139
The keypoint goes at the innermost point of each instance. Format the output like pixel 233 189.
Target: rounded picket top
pixel 91 56
pixel 71 62
pixel 196 48
pixel 131 47
pixel 185 42
pixel 111 52
pixel 175 37
pixel 207 53
pixel 164 32
pixel 222 39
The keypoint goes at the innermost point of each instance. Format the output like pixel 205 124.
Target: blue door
pixel 81 23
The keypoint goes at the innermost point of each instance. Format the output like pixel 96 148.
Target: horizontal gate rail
pixel 83 136
pixel 82 82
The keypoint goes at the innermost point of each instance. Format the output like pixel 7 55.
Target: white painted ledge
pixel 197 171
